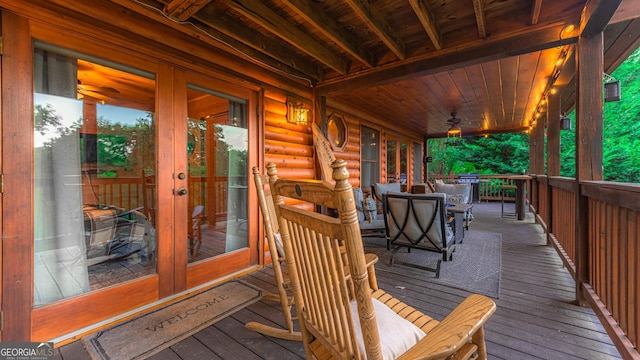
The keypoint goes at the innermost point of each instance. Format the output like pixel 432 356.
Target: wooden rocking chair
pixel 340 315
pixel 272 234
pixel 271 230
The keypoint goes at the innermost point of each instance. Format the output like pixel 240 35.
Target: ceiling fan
pixel 454 121
pixel 454 126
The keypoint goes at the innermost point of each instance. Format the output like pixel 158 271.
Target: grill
pixel 474 180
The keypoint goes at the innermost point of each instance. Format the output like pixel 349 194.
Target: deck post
pixel 553 154
pixel 589 68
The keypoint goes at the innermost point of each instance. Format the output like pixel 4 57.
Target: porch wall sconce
pixel 565 123
pixel 297 113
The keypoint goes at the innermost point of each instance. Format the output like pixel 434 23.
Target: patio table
pixel 461 214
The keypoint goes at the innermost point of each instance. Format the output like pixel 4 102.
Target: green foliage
pixel 496 154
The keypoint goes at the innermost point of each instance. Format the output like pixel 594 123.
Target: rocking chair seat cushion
pixel 397 335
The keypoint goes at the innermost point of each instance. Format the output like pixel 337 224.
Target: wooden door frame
pixel 205 271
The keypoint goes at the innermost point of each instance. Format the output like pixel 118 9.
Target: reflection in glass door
pixel 217 150
pixel 397 161
pixel 94 147
pixel 392 161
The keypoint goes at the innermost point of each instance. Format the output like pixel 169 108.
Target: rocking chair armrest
pixel 455 331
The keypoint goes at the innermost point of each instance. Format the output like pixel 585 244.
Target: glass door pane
pixel 403 161
pixel 217 151
pixel 94 144
pixel 392 161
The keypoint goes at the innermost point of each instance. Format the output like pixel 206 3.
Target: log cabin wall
pixel 289 146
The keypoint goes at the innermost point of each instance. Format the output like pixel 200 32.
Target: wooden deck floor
pixel 535 318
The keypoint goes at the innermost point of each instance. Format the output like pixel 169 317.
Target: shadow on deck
pixel 536 318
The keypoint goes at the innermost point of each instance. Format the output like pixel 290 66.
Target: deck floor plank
pixel 536 317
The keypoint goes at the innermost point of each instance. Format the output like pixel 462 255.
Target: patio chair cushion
pixel 382 189
pixel 359 199
pixel 456 193
pixel 397 335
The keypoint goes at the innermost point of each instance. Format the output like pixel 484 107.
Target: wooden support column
pixel 532 151
pixel 553 154
pixel 17 141
pixel 553 135
pixel 589 69
pixel 540 148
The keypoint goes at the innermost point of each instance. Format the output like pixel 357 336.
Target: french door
pixel 397 161
pixel 138 186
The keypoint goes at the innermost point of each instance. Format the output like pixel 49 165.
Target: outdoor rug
pixel 476 264
pixel 150 333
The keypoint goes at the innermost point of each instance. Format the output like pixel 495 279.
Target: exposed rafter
pixel 181 10
pixel 378 25
pixel 478 9
pixel 428 22
pixel 546 37
pixel 256 45
pixel 596 15
pixel 271 21
pixel 535 11
pixel 331 29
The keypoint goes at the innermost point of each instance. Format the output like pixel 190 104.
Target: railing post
pixel 582 244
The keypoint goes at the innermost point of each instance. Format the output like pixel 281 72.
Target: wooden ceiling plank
pixel 475 76
pixel 509 74
pixel 535 11
pixel 256 45
pixel 271 21
pixel 525 93
pixel 428 22
pixel 478 8
pixel 493 81
pixel 315 15
pixel 469 97
pixel 181 10
pixel 379 26
pixel 546 37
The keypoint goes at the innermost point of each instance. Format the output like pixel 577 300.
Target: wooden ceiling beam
pixel 379 26
pixel 449 59
pixel 478 9
pixel 318 18
pixel 271 21
pixel 428 22
pixel 466 133
pixel 535 11
pixel 628 10
pixel 181 10
pixel 596 16
pixel 257 46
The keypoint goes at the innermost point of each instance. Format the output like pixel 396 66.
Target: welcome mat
pixel 153 332
pixel 476 264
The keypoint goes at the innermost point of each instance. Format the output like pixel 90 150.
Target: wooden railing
pixel 131 193
pixel 595 229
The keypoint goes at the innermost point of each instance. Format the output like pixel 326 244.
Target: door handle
pixel 182 191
